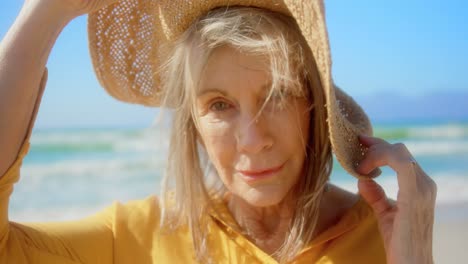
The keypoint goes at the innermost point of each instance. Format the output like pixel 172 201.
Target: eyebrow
pixel 211 90
pixel 216 90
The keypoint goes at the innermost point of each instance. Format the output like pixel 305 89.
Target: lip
pixel 252 175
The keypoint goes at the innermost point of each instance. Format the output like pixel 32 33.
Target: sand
pixel 451 234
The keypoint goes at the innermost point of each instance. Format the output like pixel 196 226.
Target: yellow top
pixel 128 233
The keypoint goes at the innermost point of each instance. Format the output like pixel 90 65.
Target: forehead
pixel 228 68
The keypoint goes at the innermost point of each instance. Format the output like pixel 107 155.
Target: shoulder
pixel 135 214
pixel 362 241
pixel 351 207
pixel 336 203
pixel 146 206
pixel 141 205
pixel 342 198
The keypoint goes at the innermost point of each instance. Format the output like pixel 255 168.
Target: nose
pixel 253 134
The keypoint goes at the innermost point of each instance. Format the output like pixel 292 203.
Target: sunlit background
pixel 405 62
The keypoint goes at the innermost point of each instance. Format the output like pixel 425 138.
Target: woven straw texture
pixel 128 41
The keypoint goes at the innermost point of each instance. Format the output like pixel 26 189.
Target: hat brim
pixel 126 66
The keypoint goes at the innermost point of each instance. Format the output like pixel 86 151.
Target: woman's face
pixel 258 154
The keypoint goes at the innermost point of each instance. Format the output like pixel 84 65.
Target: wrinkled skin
pixel 405 224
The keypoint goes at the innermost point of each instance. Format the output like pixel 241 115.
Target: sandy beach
pixel 451 233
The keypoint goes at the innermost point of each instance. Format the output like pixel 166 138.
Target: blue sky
pixel 378 47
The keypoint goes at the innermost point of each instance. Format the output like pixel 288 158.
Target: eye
pixel 219 106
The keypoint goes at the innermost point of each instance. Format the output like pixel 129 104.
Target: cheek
pixel 291 128
pixel 292 138
pixel 218 139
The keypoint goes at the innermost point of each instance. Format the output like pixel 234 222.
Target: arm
pixel 90 240
pixel 23 55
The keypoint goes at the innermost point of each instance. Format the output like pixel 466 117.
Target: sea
pixel 73 173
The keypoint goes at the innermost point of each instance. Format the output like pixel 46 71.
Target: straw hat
pixel 125 41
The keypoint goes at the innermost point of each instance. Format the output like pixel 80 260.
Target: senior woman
pixel 256 120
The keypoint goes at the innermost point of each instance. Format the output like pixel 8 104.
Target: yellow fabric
pixel 128 233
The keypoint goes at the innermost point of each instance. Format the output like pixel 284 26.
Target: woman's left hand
pixel 406 226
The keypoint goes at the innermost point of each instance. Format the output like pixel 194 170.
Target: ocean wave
pixel 100 141
pixel 65 213
pixel 452 131
pixel 448 139
pixel 437 147
pixel 449 131
pixel 123 167
pixel 452 187
pixel 452 190
pixel 69 147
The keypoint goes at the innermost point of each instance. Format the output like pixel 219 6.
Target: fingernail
pixel 376 172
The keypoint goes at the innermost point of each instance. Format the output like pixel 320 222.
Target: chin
pixel 264 196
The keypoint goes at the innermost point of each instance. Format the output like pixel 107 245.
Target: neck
pixel 267 226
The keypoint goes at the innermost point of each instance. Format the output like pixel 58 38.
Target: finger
pixel 374 195
pixel 369 140
pixel 396 156
pixel 375 157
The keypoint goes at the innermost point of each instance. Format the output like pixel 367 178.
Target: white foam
pixel 437 147
pixel 451 187
pixel 53 214
pixel 453 131
pixel 120 141
pixel 97 168
pixel 452 190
